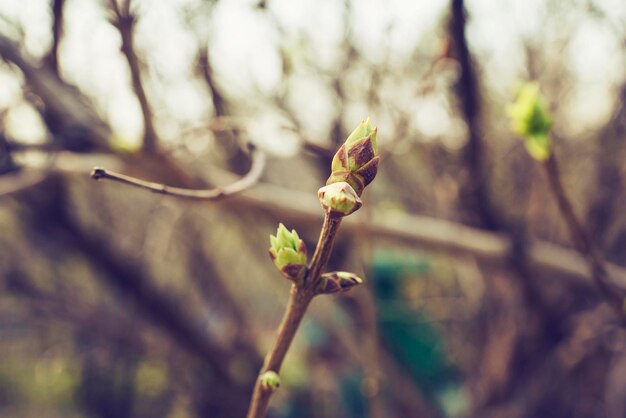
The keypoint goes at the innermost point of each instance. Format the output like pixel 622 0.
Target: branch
pixel 582 240
pixel 52 219
pixel 57 32
pixel 7 164
pixel 71 117
pixel 246 182
pixel 299 301
pixel 204 67
pixel 475 196
pixel 433 234
pixel 414 230
pixel 124 20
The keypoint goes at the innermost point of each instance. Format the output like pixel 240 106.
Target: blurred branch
pixel 415 230
pixel 68 113
pixel 57 32
pixel 204 66
pixel 249 180
pixel 164 311
pixel 124 20
pixel 474 193
pixel 13 183
pixel 605 202
pixel 431 233
pixel 7 164
pixel 582 240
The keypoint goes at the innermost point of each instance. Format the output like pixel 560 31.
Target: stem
pixel 244 183
pixel 299 301
pixel 580 236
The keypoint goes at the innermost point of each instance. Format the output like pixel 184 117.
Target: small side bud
pixel 288 252
pixel 337 281
pixel 530 119
pixel 339 199
pixel 356 162
pixel 270 380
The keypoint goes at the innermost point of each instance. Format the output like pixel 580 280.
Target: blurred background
pixel 116 302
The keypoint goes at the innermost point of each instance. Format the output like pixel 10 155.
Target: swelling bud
pixel 288 252
pixel 337 281
pixel 356 161
pixel 339 199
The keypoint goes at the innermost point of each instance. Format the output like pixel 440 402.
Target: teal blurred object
pixel 407 333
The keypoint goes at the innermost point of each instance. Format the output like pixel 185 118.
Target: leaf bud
pixel 356 161
pixel 288 252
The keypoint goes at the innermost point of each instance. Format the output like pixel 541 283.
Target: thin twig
pixel 204 66
pixel 582 240
pixel 425 232
pixel 124 20
pixel 247 181
pixel 299 301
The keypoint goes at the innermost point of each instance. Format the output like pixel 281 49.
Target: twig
pixel 57 32
pixel 124 21
pixel 582 240
pixel 430 233
pixel 299 301
pixel 160 307
pixel 475 198
pixel 415 230
pixel 204 67
pixel 70 108
pixel 249 180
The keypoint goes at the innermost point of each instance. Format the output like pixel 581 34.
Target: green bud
pixel 337 281
pixel 270 380
pixel 356 161
pixel 530 119
pixel 339 199
pixel 288 252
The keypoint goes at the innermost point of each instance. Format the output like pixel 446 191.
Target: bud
pixel 530 119
pixel 356 162
pixel 270 380
pixel 288 252
pixel 337 281
pixel 339 199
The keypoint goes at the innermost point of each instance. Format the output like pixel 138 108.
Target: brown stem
pixel 582 241
pixel 249 180
pixel 299 301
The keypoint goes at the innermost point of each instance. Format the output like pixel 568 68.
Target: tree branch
pixel 474 193
pixel 73 123
pixel 249 180
pixel 582 240
pixel 299 301
pixel 124 20
pixel 433 234
pixel 57 33
pixel 415 230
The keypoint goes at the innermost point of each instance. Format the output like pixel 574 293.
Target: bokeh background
pixel 116 302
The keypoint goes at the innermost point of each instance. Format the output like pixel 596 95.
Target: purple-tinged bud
pixel 356 161
pixel 337 281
